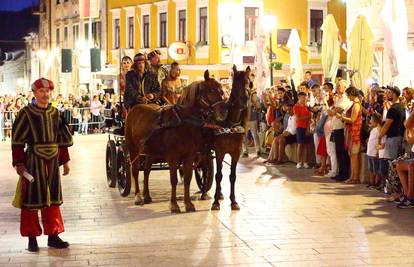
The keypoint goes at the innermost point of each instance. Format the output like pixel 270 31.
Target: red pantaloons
pixel 51 220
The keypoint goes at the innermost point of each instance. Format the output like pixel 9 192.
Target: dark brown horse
pixel 175 145
pixel 232 143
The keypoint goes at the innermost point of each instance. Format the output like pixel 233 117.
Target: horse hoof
pixel 221 197
pixel 138 201
pixel 235 206
pixel 175 208
pixel 190 208
pixel 147 200
pixel 205 196
pixel 215 206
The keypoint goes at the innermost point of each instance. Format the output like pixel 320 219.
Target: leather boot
pixel 33 247
pixel 54 241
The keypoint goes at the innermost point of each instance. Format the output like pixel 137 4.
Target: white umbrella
pixel 395 29
pixel 362 52
pixel 294 45
pixel 330 47
pixel 261 64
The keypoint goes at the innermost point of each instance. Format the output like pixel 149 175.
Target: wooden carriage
pixel 118 169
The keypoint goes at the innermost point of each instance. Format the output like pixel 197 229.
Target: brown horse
pixel 232 143
pixel 178 144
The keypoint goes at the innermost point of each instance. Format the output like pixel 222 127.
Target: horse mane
pixel 189 96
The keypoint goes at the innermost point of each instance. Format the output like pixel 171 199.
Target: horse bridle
pixel 207 104
pixel 211 105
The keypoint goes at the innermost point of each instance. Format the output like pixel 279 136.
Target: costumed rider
pixel 142 86
pixel 40 141
pixel 155 66
pixel 172 85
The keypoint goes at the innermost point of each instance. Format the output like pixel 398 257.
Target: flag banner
pixel 89 8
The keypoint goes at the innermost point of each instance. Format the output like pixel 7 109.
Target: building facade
pixel 68 30
pixel 218 33
pixel 12 73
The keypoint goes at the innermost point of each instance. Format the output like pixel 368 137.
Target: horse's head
pixel 239 94
pixel 210 97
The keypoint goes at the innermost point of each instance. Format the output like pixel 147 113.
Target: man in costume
pixel 40 142
pixel 155 67
pixel 142 86
pixel 172 86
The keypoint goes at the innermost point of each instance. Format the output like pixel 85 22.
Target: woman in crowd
pixel 96 107
pixel 353 120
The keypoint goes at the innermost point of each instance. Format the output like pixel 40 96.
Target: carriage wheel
pixel 124 171
pixel 111 166
pixel 204 174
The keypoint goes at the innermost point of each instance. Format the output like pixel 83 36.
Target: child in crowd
pixel 382 170
pixel 372 151
pixel 76 118
pixel 85 120
pixel 303 118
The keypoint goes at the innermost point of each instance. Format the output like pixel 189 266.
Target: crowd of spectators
pixel 335 128
pixel 84 114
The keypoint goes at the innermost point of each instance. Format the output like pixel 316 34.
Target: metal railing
pixel 81 120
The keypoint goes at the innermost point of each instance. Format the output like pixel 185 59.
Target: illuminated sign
pixel 178 51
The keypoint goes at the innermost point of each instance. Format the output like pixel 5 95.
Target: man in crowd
pixel 45 152
pixel 155 67
pixel 253 106
pixel 393 127
pixel 308 79
pixel 341 106
pixel 142 86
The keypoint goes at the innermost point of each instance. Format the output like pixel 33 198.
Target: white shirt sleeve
pixel 346 104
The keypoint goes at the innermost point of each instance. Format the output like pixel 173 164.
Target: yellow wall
pixel 290 14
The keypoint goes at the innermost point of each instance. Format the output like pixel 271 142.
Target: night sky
pixel 16 5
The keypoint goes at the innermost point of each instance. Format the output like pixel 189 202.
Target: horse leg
pixel 234 160
pixel 204 163
pixel 135 173
pixel 219 176
pixel 188 172
pixel 147 170
pixel 173 180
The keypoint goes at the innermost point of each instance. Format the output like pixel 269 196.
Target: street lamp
pixel 269 24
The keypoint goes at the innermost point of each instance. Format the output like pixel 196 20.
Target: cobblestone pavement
pixel 287 218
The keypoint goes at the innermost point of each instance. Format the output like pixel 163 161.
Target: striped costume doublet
pixel 42 132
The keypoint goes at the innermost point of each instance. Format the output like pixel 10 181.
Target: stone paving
pixel 287 218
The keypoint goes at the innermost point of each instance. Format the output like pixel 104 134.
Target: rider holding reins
pixel 142 86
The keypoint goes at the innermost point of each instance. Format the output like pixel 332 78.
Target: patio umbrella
pixel 261 64
pixel 362 52
pixel 395 29
pixel 330 48
pixel 294 45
